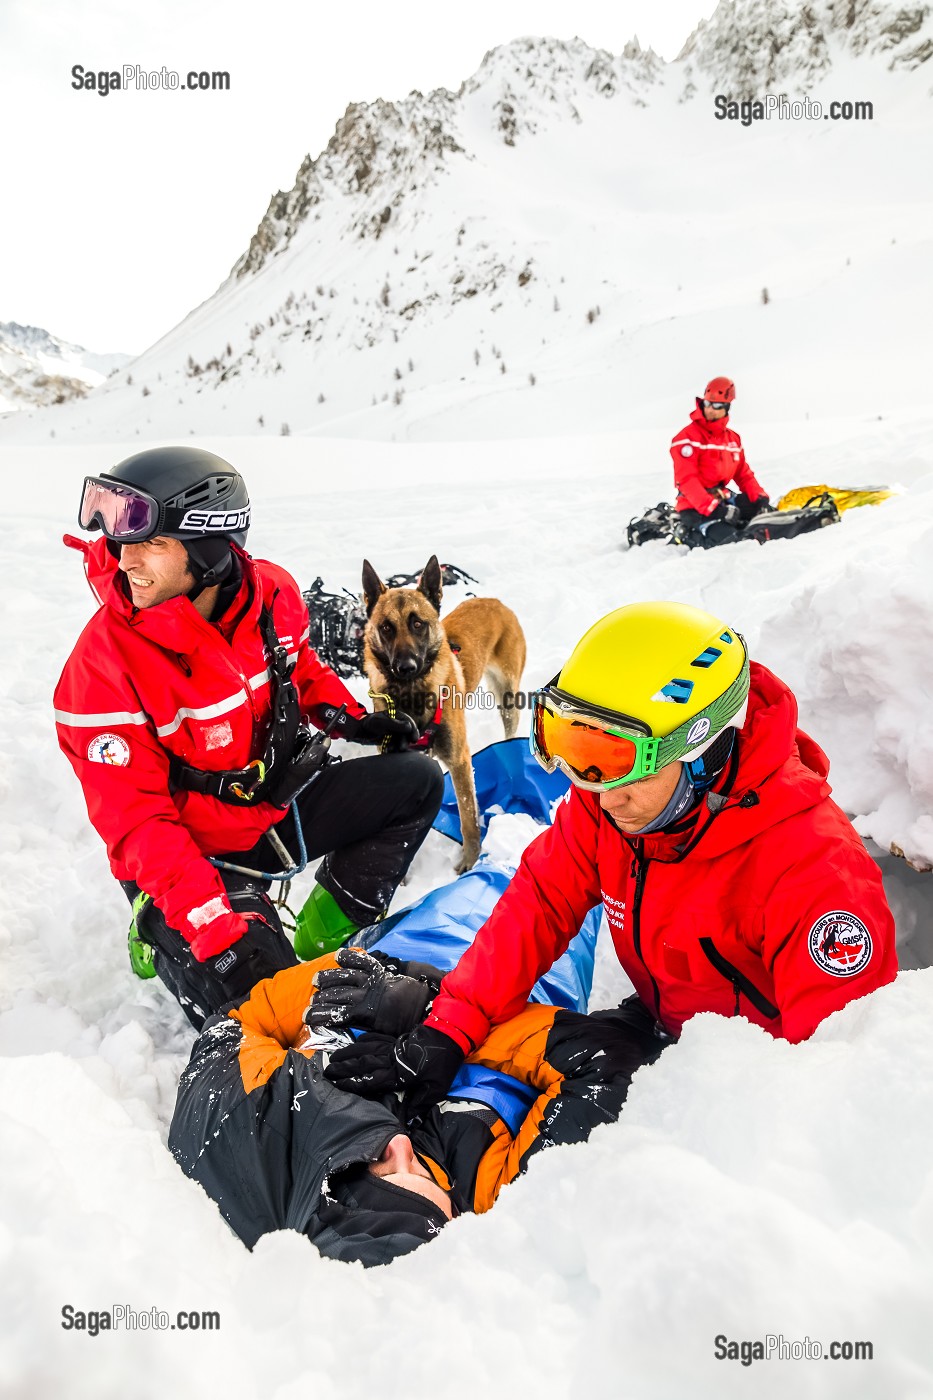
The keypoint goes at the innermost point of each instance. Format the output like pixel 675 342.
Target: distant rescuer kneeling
pixel 184 709
pixel 708 456
pixel 700 818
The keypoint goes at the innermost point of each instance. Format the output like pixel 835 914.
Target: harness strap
pixel 430 730
pixel 234 785
pixel 243 786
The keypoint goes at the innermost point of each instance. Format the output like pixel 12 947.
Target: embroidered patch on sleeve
pixel 840 944
pixel 109 749
pixel 686 450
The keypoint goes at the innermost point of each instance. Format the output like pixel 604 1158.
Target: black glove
pixel 424 1064
pixel 726 514
pixel 255 955
pixel 311 754
pixel 749 509
pixel 400 730
pixel 364 993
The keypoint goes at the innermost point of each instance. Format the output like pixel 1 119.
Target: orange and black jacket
pixel 261 1128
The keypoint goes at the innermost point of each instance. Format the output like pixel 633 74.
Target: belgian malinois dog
pixel 429 668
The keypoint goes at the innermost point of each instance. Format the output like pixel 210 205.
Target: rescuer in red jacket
pixel 184 709
pixel 700 817
pixel 708 456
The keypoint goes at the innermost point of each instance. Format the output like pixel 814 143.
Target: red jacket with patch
pixel 762 903
pixel 707 456
pixel 143 684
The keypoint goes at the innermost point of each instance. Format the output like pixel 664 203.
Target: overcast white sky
pixel 121 213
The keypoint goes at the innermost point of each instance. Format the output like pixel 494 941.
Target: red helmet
pixel 719 390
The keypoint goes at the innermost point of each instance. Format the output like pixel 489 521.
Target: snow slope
pixel 566 242
pixel 750 1188
pixel 37 369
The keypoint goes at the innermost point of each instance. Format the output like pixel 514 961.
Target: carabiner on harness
pixel 248 794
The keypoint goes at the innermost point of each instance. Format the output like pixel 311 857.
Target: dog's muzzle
pixel 406 669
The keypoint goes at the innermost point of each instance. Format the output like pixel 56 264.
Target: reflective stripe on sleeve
pixel 100 721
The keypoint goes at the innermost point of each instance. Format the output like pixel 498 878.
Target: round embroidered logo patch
pixel 840 944
pixel 109 748
pixel 686 450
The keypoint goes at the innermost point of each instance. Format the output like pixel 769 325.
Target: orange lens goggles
pixel 592 752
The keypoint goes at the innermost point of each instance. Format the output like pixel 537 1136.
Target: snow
pixel 35 367
pixel 642 205
pixel 751 1187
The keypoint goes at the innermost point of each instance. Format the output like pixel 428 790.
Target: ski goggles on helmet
pixel 600 749
pixel 124 513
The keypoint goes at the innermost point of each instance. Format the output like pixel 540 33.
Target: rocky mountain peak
pixel 377 154
pixel 380 151
pixel 751 47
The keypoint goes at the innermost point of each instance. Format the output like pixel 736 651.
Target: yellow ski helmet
pixel 647 685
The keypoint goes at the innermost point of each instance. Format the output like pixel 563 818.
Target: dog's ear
pixel 430 583
pixel 373 587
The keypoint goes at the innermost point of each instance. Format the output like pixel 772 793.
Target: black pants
pixel 701 532
pixel 366 817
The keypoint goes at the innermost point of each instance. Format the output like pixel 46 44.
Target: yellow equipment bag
pixel 846 497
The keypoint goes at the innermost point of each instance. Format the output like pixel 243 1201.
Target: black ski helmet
pixel 202 501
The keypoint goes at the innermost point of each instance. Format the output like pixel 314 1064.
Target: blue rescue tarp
pixel 441 926
pixel 508 779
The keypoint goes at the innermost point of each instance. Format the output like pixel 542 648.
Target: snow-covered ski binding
pixel 655 524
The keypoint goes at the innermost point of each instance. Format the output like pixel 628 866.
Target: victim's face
pixel 400 1164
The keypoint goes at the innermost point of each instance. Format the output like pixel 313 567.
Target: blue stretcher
pixel 441 926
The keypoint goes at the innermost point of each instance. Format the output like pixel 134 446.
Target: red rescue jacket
pixel 143 684
pixel 763 903
pixel 707 456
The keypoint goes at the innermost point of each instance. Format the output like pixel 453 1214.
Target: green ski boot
pixel 141 953
pixel 321 925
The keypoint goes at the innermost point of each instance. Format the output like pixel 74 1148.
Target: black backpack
pixel 788 524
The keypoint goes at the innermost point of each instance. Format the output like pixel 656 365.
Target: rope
pixel 294 868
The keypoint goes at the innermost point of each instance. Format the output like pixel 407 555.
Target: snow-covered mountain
pixel 751 47
pixel 438 267
pixel 38 369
